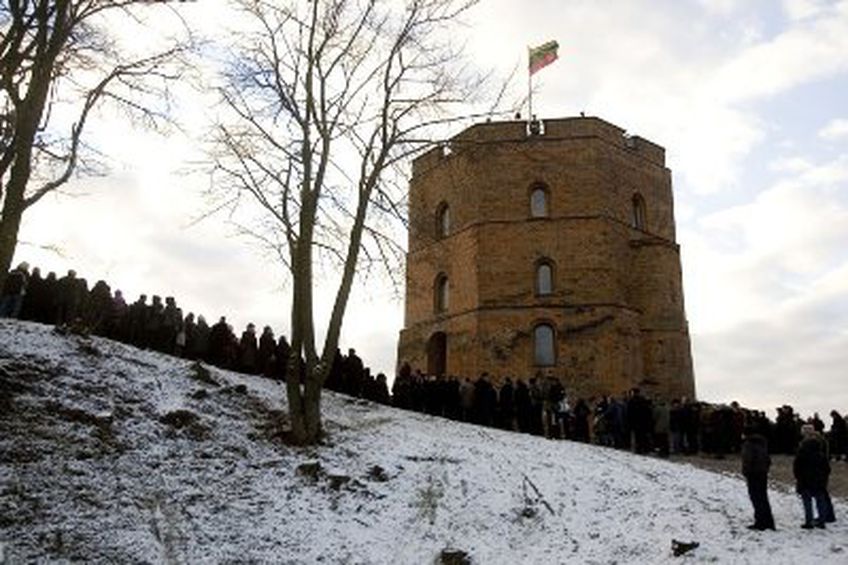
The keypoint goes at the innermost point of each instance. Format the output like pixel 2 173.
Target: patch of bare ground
pixel 780 475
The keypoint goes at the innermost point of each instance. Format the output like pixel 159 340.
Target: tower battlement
pixel 549 131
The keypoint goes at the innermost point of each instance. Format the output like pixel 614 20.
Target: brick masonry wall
pixel 617 300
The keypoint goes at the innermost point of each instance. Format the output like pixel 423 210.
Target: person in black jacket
pixel 14 289
pixel 812 469
pixel 218 337
pixel 640 421
pixel 838 436
pixel 506 404
pixel 755 468
pixel 34 298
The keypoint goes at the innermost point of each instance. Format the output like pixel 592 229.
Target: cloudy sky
pixel 749 97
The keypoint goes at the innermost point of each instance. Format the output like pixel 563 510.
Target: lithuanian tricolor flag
pixel 543 55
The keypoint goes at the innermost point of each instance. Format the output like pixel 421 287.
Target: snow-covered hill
pixel 110 454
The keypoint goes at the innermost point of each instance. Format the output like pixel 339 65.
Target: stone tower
pixel 547 249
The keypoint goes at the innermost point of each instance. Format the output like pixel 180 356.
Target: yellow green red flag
pixel 543 55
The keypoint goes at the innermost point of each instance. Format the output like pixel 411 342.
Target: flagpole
pixel 538 58
pixel 529 90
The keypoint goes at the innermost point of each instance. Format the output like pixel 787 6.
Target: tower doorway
pixel 437 354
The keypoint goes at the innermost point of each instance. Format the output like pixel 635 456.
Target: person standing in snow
pixel 34 296
pixel 14 289
pixel 267 345
pixel 640 421
pixel 812 468
pixel 466 400
pixel 755 468
pixel 248 350
pixel 838 436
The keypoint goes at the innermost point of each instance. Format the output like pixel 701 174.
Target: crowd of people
pixel 538 406
pixel 541 406
pixel 161 326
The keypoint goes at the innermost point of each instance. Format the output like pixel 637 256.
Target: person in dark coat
pixel 336 375
pixel 537 396
pixel 98 308
pixel 76 300
pixel 640 420
pixel 786 430
pixel 189 329
pixel 64 293
pixel 452 400
pixel 523 407
pixel 34 298
pixel 199 346
pixel 171 320
pixel 812 468
pixel 117 328
pixel 755 468
pixel 838 436
pixel 14 289
pixel 282 354
pixel 50 302
pixel 219 335
pixel 352 374
pixel 401 388
pixel 580 425
pixel 137 322
pixel 506 405
pixel 381 389
pixel 155 317
pixel 267 345
pixel 248 350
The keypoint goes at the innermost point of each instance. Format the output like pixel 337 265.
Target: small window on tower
pixel 539 202
pixel 544 278
pixel 638 212
pixel 543 345
pixel 442 220
pixel 441 294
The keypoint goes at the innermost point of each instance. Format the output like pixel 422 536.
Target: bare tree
pixel 57 63
pixel 321 103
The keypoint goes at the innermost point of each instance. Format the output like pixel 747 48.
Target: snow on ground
pixel 111 454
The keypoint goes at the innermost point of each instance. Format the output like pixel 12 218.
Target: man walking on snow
pixel 755 468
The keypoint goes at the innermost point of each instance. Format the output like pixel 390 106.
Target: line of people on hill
pixel 538 406
pixel 161 326
pixel 155 325
pixel 541 406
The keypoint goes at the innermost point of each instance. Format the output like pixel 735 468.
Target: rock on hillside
pixel 110 454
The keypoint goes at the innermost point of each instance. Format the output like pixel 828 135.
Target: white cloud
pixel 803 9
pixel 801 53
pixel 835 129
pixel 767 292
pixel 790 165
pixel 720 7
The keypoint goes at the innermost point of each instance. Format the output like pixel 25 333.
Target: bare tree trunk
pixel 312 407
pixel 31 111
pixel 13 209
pixel 9 226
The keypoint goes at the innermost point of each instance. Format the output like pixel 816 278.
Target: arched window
pixel 639 213
pixel 543 345
pixel 539 201
pixel 544 277
pixel 442 220
pixel 441 293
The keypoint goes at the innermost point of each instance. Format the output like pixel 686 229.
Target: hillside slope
pixel 110 454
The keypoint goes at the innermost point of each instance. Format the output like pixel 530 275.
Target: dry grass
pixel 780 475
